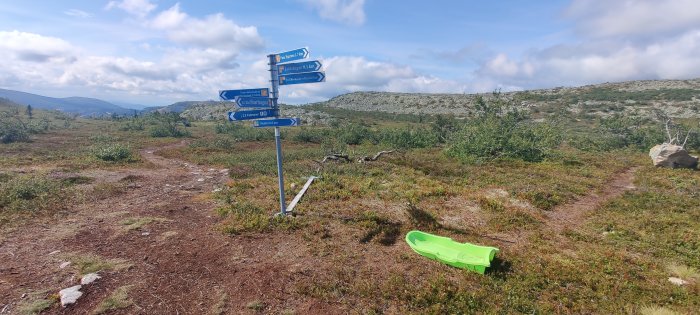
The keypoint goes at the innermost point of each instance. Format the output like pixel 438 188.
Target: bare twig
pixel 668 131
pixel 374 158
pixel 686 138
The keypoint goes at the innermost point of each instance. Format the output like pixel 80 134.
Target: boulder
pixel 671 155
pixel 70 295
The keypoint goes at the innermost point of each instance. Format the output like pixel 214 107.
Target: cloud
pixel 633 18
pixel 77 13
pixel 590 62
pixel 351 73
pixel 349 12
pixel 33 60
pixel 212 31
pixel 139 8
pixel 34 48
pixel 621 41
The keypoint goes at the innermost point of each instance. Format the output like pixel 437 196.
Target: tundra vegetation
pixel 500 177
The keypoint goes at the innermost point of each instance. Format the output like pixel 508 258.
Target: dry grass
pixel 89 263
pixel 119 299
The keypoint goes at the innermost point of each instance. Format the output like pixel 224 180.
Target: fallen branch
pixel 374 158
pixel 346 158
pixel 335 157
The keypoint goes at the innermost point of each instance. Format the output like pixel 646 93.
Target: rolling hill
pixel 82 106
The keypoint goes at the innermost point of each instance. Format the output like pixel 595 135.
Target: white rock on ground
pixel 89 278
pixel 677 281
pixel 64 264
pixel 671 155
pixel 70 295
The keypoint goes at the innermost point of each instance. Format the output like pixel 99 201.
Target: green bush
pixel 28 193
pixel 311 135
pixel 12 127
pixel 354 134
pixel 241 132
pixel 166 125
pixel 500 130
pixel 133 124
pixel 167 129
pixel 410 138
pixel 114 152
pixel 620 131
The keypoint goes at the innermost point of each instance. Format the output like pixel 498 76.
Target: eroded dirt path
pixel 178 263
pixel 572 215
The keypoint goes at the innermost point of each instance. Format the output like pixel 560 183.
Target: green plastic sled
pixel 444 249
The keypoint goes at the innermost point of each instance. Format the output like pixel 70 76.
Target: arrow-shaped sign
pixel 299 67
pixel 300 78
pixel 252 114
pixel 228 95
pixel 279 122
pixel 292 55
pixel 249 102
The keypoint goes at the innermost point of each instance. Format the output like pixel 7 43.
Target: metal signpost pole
pixel 275 95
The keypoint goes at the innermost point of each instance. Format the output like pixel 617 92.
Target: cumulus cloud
pixel 33 60
pixel 634 18
pixel 34 48
pixel 139 8
pixel 212 31
pixel 349 12
pixel 351 73
pixel 621 40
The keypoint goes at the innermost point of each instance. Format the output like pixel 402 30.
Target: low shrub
pixel 500 130
pixel 29 193
pixel 114 152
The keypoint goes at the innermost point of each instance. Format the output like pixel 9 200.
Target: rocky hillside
pixel 219 110
pixel 678 98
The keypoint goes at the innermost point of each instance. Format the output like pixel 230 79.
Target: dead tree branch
pixel 373 158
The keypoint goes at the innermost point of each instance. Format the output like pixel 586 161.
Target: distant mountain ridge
pixel 82 106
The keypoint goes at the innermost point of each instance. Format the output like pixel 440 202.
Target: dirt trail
pixel 572 215
pixel 179 263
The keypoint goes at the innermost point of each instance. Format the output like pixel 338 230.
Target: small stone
pixel 145 234
pixel 200 180
pixel 216 190
pixel 677 281
pixel 89 278
pixel 64 264
pixel 54 252
pixel 212 170
pixel 70 295
pixel 149 152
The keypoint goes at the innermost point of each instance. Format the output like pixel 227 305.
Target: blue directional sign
pixel 247 102
pixel 279 122
pixel 252 114
pixel 300 78
pixel 292 55
pixel 228 95
pixel 299 67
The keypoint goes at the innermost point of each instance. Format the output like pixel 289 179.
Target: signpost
pixel 279 122
pixel 300 67
pixel 291 55
pixel 246 102
pixel 228 95
pixel 252 114
pixel 301 78
pixel 280 74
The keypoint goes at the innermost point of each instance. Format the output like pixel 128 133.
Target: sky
pixel 157 52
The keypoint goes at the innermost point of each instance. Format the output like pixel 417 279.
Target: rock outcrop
pixel 671 155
